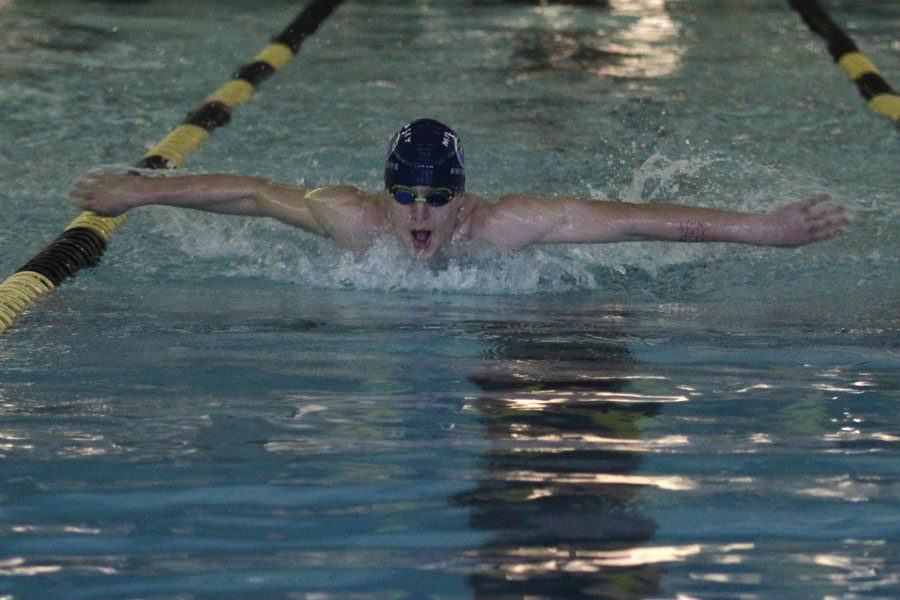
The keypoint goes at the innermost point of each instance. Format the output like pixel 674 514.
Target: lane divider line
pixel 83 241
pixel 882 100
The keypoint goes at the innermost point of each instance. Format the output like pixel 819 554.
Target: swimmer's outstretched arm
pixel 519 220
pixel 342 213
pixel 112 194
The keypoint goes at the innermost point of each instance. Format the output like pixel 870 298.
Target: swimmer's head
pixel 425 153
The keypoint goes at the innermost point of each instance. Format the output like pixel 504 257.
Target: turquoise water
pixel 229 408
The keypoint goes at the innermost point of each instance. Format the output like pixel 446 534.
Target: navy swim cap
pixel 425 152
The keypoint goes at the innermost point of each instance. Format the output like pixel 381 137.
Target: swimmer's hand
pixel 804 222
pixel 104 193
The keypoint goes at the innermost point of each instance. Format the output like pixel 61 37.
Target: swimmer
pixel 425 204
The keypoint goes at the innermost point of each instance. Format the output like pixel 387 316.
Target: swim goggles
pixel 434 196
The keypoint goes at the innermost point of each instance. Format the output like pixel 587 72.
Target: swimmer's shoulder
pixel 507 221
pixel 479 210
pixel 471 217
pixel 347 214
pixel 342 197
pixel 335 193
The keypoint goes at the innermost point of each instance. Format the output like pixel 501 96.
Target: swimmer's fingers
pixel 820 221
pixel 81 188
pixel 807 221
pixel 823 213
pixel 827 222
pixel 87 182
pixel 812 201
pixel 814 206
pixel 81 203
pixel 97 191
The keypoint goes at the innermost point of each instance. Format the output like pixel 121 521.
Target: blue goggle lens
pixel 437 197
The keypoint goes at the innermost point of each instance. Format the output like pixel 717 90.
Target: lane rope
pixel 882 100
pixel 84 240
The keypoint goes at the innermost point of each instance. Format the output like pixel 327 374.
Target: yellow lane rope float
pixel 84 240
pixel 881 98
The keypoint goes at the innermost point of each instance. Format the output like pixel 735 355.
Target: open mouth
pixel 420 238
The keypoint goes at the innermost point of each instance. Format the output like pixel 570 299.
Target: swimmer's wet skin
pixel 425 205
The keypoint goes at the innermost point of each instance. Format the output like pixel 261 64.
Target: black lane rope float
pixel 881 98
pixel 84 240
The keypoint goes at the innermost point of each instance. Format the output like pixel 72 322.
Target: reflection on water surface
pixel 559 485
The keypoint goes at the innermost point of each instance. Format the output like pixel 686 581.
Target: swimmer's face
pixel 422 228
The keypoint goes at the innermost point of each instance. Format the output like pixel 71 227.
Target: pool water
pixel 229 408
